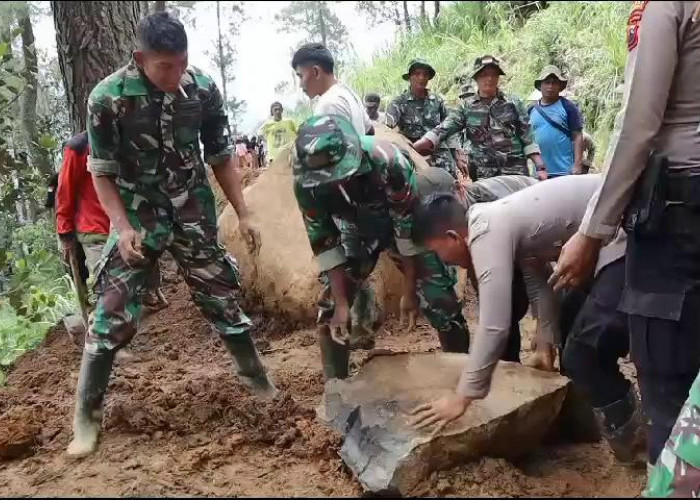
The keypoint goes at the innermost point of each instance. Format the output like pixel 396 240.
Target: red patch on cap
pixel 633 23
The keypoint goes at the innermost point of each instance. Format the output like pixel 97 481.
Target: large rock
pixel 389 457
pixel 284 275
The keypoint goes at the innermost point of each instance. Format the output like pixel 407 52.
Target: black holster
pixel 643 214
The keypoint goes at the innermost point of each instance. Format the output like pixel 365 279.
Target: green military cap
pixel 419 63
pixel 483 61
pixel 327 150
pixel 550 70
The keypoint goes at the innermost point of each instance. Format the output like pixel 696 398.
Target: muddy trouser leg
pixel 112 325
pixel 214 281
pixel 334 356
pixel 519 308
pixel 598 338
pixel 439 302
pixel 667 356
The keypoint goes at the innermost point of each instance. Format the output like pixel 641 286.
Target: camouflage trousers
pixel 435 282
pixel 677 470
pixel 485 171
pixel 443 158
pixel 210 272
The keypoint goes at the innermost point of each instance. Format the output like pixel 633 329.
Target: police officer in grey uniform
pixel 653 180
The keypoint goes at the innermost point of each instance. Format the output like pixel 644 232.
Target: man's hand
pixel 130 247
pixel 340 324
pixel 409 307
pixel 576 262
pixel 67 246
pixel 541 173
pixel 463 162
pixel 423 146
pixel 250 234
pixel 440 412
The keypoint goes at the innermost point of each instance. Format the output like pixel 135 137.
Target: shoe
pixel 92 385
pixel 456 339
pixel 627 439
pixel 250 369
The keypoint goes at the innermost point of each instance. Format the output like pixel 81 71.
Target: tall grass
pixel 586 39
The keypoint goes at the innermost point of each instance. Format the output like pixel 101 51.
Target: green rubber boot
pixel 249 367
pixel 334 356
pixel 92 385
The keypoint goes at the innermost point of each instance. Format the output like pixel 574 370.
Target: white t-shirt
pixel 343 101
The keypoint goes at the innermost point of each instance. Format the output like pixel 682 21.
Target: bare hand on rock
pixel 439 413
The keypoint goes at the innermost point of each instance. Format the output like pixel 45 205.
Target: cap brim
pixel 538 83
pixel 430 69
pixel 500 71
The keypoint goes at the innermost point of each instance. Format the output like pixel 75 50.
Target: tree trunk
pixel 93 40
pixel 222 62
pixel 406 17
pixel 322 24
pixel 422 11
pixel 437 11
pixel 30 94
pixel 160 6
pixel 397 14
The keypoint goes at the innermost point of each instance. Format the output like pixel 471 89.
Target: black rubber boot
pixel 456 339
pixel 622 427
pixel 334 356
pixel 249 368
pixel 92 385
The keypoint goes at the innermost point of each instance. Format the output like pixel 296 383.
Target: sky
pixel 264 54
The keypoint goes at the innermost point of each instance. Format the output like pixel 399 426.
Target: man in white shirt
pixel 313 64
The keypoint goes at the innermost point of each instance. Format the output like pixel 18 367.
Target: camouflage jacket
pixel 498 132
pixel 413 116
pixel 149 141
pixel 383 198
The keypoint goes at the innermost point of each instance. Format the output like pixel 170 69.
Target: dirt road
pixel 178 424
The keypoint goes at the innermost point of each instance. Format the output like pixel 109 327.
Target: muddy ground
pixel 177 423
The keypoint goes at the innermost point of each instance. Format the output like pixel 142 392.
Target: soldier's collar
pixel 428 95
pixel 499 96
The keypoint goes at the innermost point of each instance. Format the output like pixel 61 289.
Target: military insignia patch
pixel 633 23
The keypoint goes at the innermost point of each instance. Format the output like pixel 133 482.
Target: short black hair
pixel 437 213
pixel 276 103
pixel 313 54
pixel 373 97
pixel 161 32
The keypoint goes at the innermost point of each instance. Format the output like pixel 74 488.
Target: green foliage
pixel 317 22
pixel 586 39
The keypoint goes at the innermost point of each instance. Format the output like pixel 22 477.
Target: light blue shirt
pixel 556 147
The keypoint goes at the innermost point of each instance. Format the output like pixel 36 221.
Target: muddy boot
pixel 334 356
pixel 363 317
pixel 248 365
pixel 456 339
pixel 92 384
pixel 621 424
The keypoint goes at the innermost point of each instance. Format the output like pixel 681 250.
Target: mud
pixel 178 423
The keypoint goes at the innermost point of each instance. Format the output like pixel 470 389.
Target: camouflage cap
pixel 484 61
pixel 550 70
pixel 327 150
pixel 419 63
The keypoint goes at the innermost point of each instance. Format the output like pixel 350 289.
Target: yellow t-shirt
pixel 278 134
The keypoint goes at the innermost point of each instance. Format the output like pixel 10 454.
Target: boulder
pixel 389 457
pixel 283 275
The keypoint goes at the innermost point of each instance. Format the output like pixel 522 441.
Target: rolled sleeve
pixel 432 137
pixel 407 248
pixel 331 258
pixel 531 149
pixel 100 167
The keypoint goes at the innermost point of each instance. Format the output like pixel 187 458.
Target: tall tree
pixel 379 12
pixel 317 21
pixel 437 11
pixel 423 17
pixel 406 16
pixel 93 39
pixel 224 54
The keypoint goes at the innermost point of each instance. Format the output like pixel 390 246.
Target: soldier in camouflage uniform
pixel 496 125
pixel 370 186
pixel 418 111
pixel 677 470
pixel 144 124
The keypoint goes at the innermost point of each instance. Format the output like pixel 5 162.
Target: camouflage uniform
pixel 498 132
pixel 677 470
pixel 149 141
pixel 376 214
pixel 414 117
